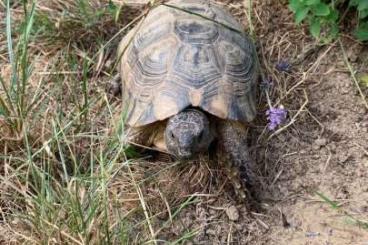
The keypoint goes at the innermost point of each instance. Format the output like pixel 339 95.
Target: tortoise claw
pixel 234 177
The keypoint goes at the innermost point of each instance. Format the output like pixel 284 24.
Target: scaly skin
pixel 188 133
pixel 232 149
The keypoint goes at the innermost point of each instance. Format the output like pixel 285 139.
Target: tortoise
pixel 188 75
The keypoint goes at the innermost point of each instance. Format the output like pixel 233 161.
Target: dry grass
pixel 64 177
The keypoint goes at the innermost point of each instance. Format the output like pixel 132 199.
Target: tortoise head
pixel 188 133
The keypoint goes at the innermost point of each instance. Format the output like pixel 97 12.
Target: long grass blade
pixel 24 64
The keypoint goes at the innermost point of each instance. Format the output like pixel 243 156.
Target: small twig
pixel 362 148
pixel 144 207
pixel 277 177
pixel 58 72
pixel 263 224
pixel 229 236
pixel 317 121
pixel 304 76
pixel 306 53
pixel 352 73
pixel 328 159
pixel 147 147
pixel 203 16
pixel 164 199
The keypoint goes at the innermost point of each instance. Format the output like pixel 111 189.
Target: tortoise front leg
pixel 233 151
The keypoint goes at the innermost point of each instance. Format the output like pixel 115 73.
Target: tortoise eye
pixel 172 135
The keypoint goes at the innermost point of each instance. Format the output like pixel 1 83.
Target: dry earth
pixel 322 150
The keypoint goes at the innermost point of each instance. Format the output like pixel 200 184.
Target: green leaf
pixel 301 14
pixel 295 5
pixel 312 2
pixel 353 3
pixel 363 5
pixel 361 33
pixel 334 15
pixel 321 9
pixel 334 30
pixel 363 14
pixel 363 79
pixel 315 28
pixel 332 34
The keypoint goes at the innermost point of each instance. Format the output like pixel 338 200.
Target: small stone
pixel 343 157
pixel 321 142
pixel 352 55
pixel 109 63
pixel 233 213
pixel 318 143
pixel 332 147
pixel 15 221
pixel 211 232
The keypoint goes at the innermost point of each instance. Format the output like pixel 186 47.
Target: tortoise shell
pixel 188 54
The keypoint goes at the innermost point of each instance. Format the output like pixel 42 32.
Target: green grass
pixel 336 206
pixel 56 198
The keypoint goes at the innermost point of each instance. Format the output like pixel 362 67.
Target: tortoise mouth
pixel 184 154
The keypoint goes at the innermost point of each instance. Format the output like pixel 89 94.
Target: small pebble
pixel 321 142
pixel 318 143
pixel 343 157
pixel 211 232
pixel 233 213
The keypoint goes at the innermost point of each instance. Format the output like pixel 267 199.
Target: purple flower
pixel 275 116
pixel 283 66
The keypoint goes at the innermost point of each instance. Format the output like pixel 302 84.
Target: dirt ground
pixel 319 155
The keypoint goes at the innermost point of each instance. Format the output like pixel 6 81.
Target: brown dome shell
pixel 175 59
